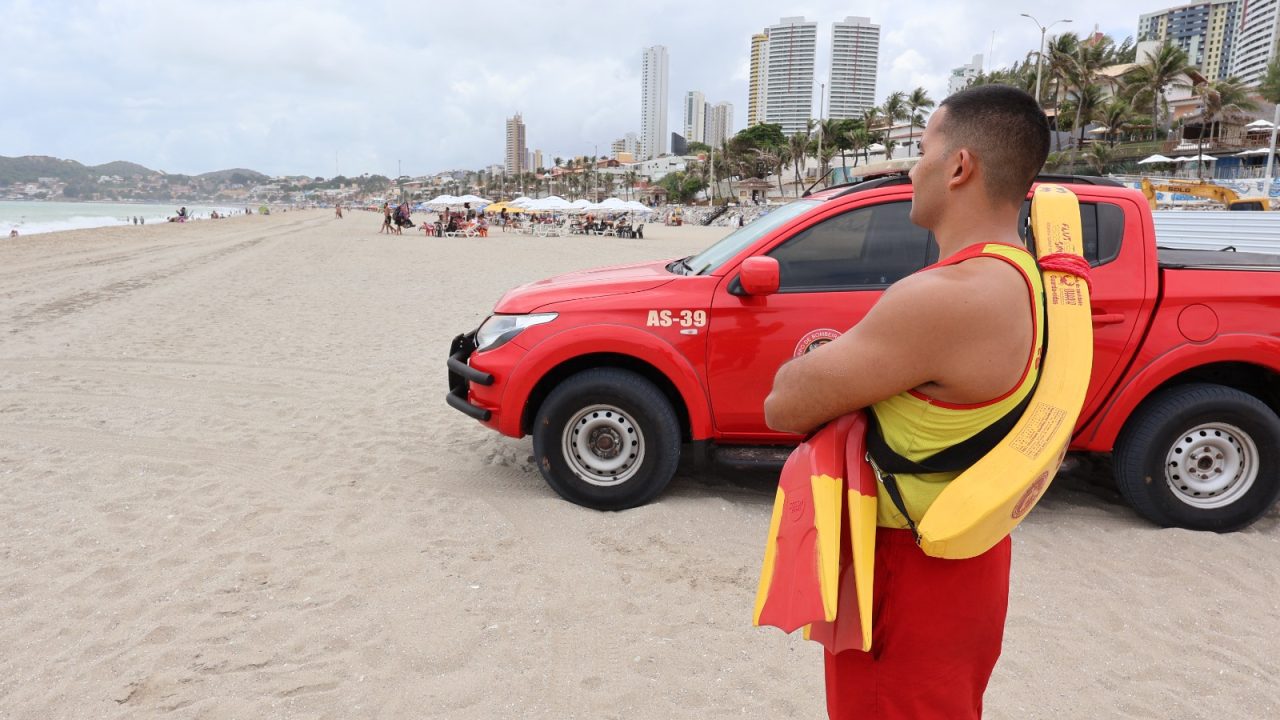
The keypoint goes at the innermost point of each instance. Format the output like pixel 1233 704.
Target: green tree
pixel 1156 73
pixel 681 187
pixel 1216 99
pixel 798 150
pixel 1116 114
pixel 1098 156
pixel 763 135
pixel 918 100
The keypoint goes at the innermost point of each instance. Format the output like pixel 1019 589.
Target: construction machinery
pixel 1207 190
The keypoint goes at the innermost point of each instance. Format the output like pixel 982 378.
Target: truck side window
pixel 1103 226
pixel 864 248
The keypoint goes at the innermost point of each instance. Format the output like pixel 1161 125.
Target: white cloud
pixel 291 86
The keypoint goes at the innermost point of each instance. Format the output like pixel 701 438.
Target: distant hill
pixel 222 176
pixel 29 168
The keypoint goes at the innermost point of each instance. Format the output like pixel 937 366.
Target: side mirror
pixel 760 275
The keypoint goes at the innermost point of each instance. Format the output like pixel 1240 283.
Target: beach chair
pixel 638 232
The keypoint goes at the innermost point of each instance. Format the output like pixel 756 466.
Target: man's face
pixel 929 176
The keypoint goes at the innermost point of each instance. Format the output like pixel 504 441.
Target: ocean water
pixel 33 217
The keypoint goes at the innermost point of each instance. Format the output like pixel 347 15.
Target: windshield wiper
pixel 681 266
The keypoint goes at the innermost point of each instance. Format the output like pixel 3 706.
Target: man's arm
pixel 901 344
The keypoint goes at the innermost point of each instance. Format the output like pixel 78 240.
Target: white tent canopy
pixel 1260 124
pixel 581 204
pixel 1157 158
pixel 638 207
pixel 443 200
pixel 474 200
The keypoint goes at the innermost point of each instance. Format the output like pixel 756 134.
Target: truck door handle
pixel 1108 319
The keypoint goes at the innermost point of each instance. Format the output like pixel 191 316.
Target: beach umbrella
pixel 581 204
pixel 1157 158
pixel 550 203
pixel 1260 124
pixel 443 200
pixel 610 205
pixel 638 207
pixel 474 200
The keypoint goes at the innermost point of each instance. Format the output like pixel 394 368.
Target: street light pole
pixel 1271 156
pixel 1040 55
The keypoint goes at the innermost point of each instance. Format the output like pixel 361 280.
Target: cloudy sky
pixel 321 87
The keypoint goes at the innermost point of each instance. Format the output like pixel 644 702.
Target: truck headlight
pixel 498 329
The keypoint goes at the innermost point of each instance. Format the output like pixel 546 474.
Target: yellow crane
pixel 1207 190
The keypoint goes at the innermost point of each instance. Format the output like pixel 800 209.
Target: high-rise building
pixel 719 124
pixel 1205 31
pixel 964 75
pixel 653 102
pixel 755 87
pixel 678 144
pixel 855 54
pixel 789 60
pixel 515 145
pixel 537 160
pixel 1256 39
pixel 695 116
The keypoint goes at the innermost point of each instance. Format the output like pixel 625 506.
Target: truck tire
pixel 607 439
pixel 1200 456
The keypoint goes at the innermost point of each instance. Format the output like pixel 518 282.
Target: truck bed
pixel 1176 258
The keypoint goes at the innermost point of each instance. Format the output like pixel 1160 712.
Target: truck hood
pixel 599 282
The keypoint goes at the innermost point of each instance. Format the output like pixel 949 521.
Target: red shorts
pixel 936 636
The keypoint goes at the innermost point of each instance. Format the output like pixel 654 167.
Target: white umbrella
pixel 638 207
pixel 474 200
pixel 550 203
pixel 581 204
pixel 522 200
pixel 1098 130
pixel 1255 151
pixel 1157 158
pixel 612 204
pixel 443 200
pixel 875 147
pixel 1260 124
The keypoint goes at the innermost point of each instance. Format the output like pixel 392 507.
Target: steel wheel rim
pixel 603 445
pixel 1211 465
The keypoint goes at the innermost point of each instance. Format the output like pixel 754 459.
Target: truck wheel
pixel 607 439
pixel 1200 456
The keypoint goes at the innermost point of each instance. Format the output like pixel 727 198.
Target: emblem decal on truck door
pixel 815 339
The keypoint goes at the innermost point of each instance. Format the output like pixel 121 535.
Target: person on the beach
pixel 941 355
pixel 337 211
pixel 386 219
pixel 13 233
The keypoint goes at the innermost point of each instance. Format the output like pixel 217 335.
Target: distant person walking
pixel 337 211
pixel 386 219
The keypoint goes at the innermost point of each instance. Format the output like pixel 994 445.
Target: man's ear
pixel 962 172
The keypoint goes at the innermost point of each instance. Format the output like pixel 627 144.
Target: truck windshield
pixel 713 257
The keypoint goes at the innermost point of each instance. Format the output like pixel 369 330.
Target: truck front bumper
pixel 461 375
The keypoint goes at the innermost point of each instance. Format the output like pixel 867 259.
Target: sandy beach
pixel 232 489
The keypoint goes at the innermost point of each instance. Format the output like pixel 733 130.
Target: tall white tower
pixel 790 53
pixel 855 53
pixel 653 103
pixel 695 116
pixel 1256 40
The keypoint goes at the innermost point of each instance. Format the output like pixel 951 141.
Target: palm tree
pixel 1088 101
pixel 1217 98
pixel 1116 116
pixel 1098 156
pixel 798 150
pixel 1060 65
pixel 1157 73
pixel 918 99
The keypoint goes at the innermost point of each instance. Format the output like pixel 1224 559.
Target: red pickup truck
pixel 616 371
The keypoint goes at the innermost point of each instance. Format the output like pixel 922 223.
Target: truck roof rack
pixel 1078 180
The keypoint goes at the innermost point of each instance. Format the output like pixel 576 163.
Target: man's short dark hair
pixel 1006 129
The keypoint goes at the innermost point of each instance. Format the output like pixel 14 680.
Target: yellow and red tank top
pixel 916 426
